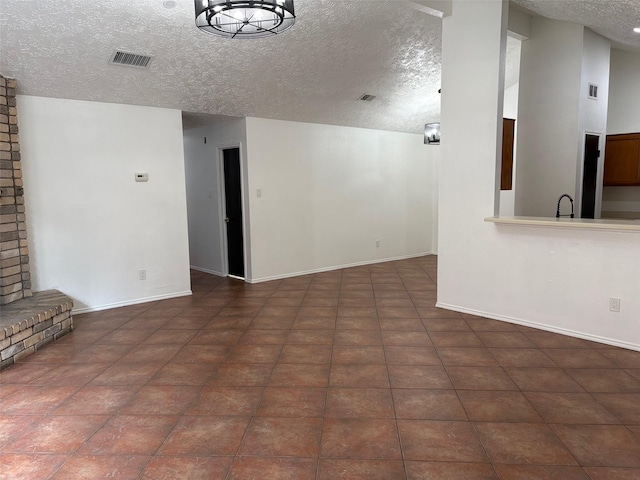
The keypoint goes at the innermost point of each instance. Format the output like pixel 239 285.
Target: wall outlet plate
pixel 614 304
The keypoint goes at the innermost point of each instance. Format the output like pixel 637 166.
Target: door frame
pixel 223 207
pixel 599 173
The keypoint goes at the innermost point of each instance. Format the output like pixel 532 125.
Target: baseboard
pixel 336 267
pixel 131 302
pixel 541 326
pixel 205 270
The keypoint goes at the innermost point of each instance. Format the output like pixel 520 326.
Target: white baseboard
pixel 336 267
pixel 205 270
pixel 131 302
pixel 541 326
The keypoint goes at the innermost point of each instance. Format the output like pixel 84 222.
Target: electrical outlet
pixel 142 274
pixel 614 304
pixel 377 243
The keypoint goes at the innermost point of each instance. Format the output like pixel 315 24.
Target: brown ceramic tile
pixel 183 374
pixel 225 401
pixel 480 378
pixel 401 324
pixel 254 354
pixel 449 471
pixel 27 466
pixel 467 357
pixel 279 436
pixel 437 313
pixel 359 376
pixel 292 402
pixel 624 406
pixel 569 408
pixel 57 434
pixel 352 354
pixel 497 406
pixel 32 400
pixel 412 403
pixel 540 472
pixel 96 400
pixel 241 375
pixel 272 323
pixel 358 337
pixel 601 445
pixel 151 353
pixel 445 325
pixel 543 380
pixel 360 438
pixel 192 468
pixel 170 337
pixel 504 339
pixel 130 435
pixel 330 469
pixel 359 403
pixel 101 353
pixel 512 443
pixel 554 340
pixel 411 355
pixel 263 337
pixel 305 354
pixel 71 374
pixel 310 337
pixel 201 354
pixel 399 338
pixel 621 357
pixel 394 303
pixel 521 357
pixel 89 467
pixel 440 441
pixel 273 468
pixel 205 435
pixel 127 374
pixel 601 380
pixel 299 375
pixel 455 339
pixel 418 376
pixel 357 323
pixel 609 473
pixel 577 358
pixel 351 299
pixel 314 323
pixel 367 312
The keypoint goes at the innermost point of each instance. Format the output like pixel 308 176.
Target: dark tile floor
pixel 349 374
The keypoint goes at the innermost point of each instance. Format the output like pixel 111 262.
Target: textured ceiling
pixel 338 50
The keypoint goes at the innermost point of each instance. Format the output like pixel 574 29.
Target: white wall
pixel 510 110
pixel 548 112
pixel 329 192
pixel 205 192
pixel 91 226
pixel 593 113
pixel 624 93
pixel 623 117
pixel 557 279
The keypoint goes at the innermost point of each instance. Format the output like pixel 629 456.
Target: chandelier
pixel 244 18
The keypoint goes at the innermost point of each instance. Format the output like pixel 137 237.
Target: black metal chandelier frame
pixel 244 18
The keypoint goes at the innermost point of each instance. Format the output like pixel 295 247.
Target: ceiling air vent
pixel 129 59
pixel 366 97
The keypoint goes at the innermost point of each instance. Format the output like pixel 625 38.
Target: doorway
pixel 233 211
pixel 589 176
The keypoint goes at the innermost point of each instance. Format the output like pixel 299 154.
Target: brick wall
pixel 15 278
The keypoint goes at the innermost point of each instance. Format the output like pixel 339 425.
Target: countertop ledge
pixel 564 222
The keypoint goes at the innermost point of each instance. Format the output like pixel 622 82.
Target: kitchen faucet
pixel 558 207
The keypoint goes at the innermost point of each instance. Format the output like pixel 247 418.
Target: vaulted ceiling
pixel 337 51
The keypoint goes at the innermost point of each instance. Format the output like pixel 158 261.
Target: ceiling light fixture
pixel 244 18
pixel 432 134
pixel 637 29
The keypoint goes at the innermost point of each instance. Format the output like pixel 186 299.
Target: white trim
pixel 337 267
pixel 108 306
pixel 205 270
pixel 541 326
pixel 570 223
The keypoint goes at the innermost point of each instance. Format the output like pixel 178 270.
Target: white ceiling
pixel 338 50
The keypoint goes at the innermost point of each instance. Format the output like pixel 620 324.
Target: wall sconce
pixel 432 134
